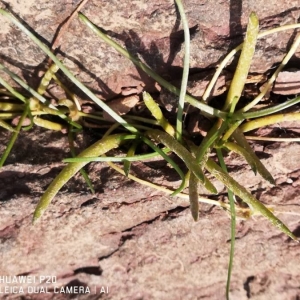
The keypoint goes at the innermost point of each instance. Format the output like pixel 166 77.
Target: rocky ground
pixel 128 241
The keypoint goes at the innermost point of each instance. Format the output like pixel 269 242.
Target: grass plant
pixel 227 133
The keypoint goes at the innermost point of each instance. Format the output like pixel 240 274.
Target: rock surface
pixel 287 83
pixel 138 242
pixel 150 30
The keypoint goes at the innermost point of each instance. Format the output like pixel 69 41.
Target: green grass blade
pixel 233 224
pixel 242 69
pixel 193 196
pixel 185 73
pixel 231 198
pixel 240 191
pixel 140 157
pixel 242 152
pixel 98 148
pixel 261 169
pixel 207 183
pixel 180 150
pixel 131 152
pixel 267 111
pixel 157 114
pixel 274 119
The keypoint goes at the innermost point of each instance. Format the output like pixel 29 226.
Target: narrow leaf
pixel 261 169
pixel 240 191
pixel 98 148
pixel 180 150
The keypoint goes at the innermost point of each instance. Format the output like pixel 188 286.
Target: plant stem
pixel 266 111
pixel 140 157
pixel 264 121
pixel 185 73
pixel 241 191
pixel 233 224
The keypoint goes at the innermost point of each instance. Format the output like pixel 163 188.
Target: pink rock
pixel 287 83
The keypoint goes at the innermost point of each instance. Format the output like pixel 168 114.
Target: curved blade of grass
pixel 71 105
pixel 98 148
pixel 242 69
pixel 233 224
pixel 274 119
pixel 242 152
pixel 261 169
pixel 70 95
pixel 161 152
pixel 240 191
pixel 206 108
pixel 207 183
pixel 185 73
pixel 69 74
pixel 157 114
pixel 140 157
pixel 177 148
pixel 266 111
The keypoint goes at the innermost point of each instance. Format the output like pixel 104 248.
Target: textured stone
pixel 287 83
pixel 139 242
pixel 149 29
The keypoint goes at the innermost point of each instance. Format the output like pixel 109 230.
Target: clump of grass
pixel 227 133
